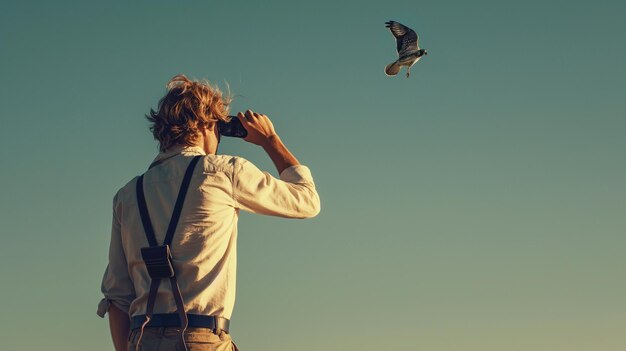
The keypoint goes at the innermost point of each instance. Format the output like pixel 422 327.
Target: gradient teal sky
pixel 479 205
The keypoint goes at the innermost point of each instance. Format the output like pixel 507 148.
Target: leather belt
pixel 173 320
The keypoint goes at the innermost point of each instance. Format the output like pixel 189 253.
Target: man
pixel 203 248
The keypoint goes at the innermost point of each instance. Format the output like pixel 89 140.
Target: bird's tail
pixel 392 69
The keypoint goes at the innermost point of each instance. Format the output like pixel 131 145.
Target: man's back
pixel 204 246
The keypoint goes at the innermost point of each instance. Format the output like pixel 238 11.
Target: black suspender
pixel 143 209
pixel 158 259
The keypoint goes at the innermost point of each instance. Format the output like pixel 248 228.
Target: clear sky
pixel 478 205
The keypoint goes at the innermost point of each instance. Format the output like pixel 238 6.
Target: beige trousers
pixel 168 339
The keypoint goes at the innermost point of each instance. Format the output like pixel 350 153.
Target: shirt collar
pixel 177 150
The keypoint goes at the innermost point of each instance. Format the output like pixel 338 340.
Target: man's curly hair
pixel 187 108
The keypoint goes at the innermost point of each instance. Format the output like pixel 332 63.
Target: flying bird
pixel 409 51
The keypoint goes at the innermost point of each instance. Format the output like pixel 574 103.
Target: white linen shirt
pixel 204 247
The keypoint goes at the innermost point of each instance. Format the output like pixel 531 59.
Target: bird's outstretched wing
pixel 406 38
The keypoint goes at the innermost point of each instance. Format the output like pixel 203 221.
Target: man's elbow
pixel 313 208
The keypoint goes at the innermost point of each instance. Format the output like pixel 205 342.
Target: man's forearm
pixel 120 327
pixel 279 154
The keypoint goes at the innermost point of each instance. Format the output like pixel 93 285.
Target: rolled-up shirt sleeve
pixel 292 196
pixel 117 286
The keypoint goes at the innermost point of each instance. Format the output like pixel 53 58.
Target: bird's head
pixel 425 52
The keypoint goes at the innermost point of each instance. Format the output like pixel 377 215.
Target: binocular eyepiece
pixel 234 128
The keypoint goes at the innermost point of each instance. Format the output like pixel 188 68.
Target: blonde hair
pixel 187 108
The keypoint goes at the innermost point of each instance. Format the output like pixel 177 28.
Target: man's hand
pixel 261 132
pixel 260 128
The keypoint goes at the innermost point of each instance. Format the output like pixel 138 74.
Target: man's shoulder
pixel 125 191
pixel 210 163
pixel 225 163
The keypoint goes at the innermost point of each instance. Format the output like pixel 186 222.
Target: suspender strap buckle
pixel 158 260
